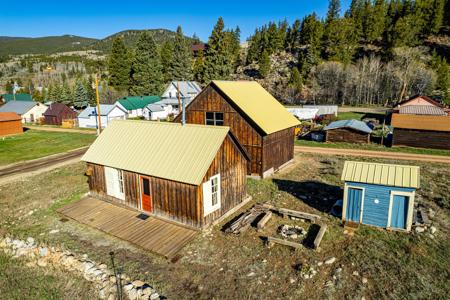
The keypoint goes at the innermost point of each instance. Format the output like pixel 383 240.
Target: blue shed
pixel 380 195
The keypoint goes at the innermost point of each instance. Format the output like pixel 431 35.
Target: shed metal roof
pixel 258 104
pixel 105 109
pixel 9 116
pixel 136 102
pixel 381 174
pixel 19 107
pixel 172 151
pixel 422 110
pixel 17 97
pixel 353 124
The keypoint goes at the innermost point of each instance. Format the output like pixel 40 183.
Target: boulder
pixel 420 229
pixel 433 230
pixel 30 241
pixel 330 260
pixel 138 283
pixel 43 251
pixel 154 296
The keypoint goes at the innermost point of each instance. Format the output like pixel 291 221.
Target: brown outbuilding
pixel 57 112
pixel 422 131
pixel 348 131
pixel 193 175
pixel 10 123
pixel 260 123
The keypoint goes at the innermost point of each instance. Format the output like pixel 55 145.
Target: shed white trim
pixel 207 187
pixel 344 202
pixel 409 217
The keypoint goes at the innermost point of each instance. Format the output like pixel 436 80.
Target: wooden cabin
pixel 348 131
pixel 57 112
pixel 380 195
pixel 190 174
pixel 10 123
pixel 260 123
pixel 423 131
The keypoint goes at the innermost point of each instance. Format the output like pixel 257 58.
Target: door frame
pixel 344 205
pixel 141 192
pixel 409 215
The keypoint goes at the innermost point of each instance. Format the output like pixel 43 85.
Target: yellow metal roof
pixel 161 149
pixel 258 104
pixel 382 174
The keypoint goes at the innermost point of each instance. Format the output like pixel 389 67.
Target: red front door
pixel 145 194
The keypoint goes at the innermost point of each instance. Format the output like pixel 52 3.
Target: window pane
pixel 219 116
pixel 210 115
pixel 209 122
pixel 146 186
pixel 219 123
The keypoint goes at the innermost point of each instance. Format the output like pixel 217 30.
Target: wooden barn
pixel 10 123
pixel 260 123
pixel 348 131
pixel 57 112
pixel 379 195
pixel 194 178
pixel 423 131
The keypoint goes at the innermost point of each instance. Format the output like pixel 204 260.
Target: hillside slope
pixel 43 45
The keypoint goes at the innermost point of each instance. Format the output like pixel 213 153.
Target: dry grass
pixel 221 266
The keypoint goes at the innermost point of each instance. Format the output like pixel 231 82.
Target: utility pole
pixel 99 116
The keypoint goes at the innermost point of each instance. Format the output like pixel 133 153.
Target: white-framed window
pixel 211 195
pixel 120 178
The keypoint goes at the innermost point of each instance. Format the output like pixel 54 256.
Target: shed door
pixel 354 200
pixel 399 211
pixel 145 194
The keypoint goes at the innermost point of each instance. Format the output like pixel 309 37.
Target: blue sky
pixel 99 18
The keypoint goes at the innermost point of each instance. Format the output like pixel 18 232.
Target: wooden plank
pixel 264 220
pixel 271 240
pixel 319 236
pixel 293 213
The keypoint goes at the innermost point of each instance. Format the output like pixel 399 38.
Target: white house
pixel 157 112
pixel 29 111
pixel 134 105
pixel 188 91
pixel 303 113
pixel 88 118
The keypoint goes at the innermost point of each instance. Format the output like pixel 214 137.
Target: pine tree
pixel 342 41
pixel 146 70
pixel 198 68
pixel 66 95
pixel 358 12
pixel 90 92
pixel 375 22
pixel 81 94
pixel 275 39
pixel 334 9
pixel 293 36
pixel 253 51
pixel 119 65
pixel 181 64
pixel 296 80
pixel 443 80
pixel 264 64
pixel 217 58
pixel 166 60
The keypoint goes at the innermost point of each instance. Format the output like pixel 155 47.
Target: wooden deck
pixel 151 234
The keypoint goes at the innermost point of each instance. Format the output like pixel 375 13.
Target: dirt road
pixel 57 129
pixel 378 154
pixel 24 169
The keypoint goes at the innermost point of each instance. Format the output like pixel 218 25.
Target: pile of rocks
pixel 291 231
pixel 97 273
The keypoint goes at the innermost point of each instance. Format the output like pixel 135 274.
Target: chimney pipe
pixel 183 112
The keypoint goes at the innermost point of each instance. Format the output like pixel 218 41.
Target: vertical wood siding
pixel 10 127
pixel 421 138
pixel 232 166
pixel 210 100
pixel 278 148
pixel 347 135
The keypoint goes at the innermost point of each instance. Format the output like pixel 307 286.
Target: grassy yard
pixel 35 144
pixel 374 147
pixel 359 116
pixel 221 266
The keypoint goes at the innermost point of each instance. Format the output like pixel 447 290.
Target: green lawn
pixel 374 147
pixel 35 144
pixel 359 116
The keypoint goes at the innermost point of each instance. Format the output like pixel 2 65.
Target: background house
pixel 423 131
pixel 57 112
pixel 88 118
pixel 134 105
pixel 260 123
pixel 303 114
pixel 29 111
pixel 348 131
pixel 327 111
pixel 380 195
pixel 157 112
pixel 10 123
pixel 194 177
pixel 5 98
pixel 188 91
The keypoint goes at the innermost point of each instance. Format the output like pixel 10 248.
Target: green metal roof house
pixel 194 178
pixel 380 195
pixel 17 97
pixel 135 105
